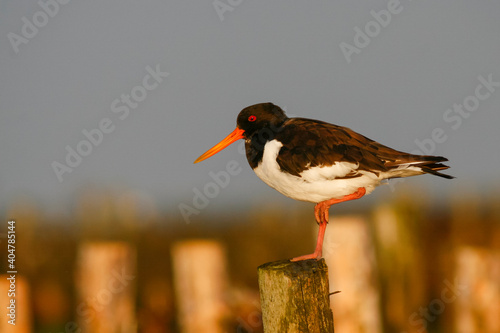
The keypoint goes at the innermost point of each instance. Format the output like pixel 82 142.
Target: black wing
pixel 308 143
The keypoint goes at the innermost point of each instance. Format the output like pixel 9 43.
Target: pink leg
pixel 321 214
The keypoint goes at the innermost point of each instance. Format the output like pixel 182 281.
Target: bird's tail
pixel 412 165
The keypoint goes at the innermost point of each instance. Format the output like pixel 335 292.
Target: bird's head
pixel 251 120
pixel 260 116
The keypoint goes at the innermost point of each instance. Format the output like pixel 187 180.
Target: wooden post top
pixel 295 296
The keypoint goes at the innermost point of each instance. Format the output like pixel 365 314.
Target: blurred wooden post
pixel 200 279
pixel 399 257
pixel 476 290
pixel 23 321
pixel 295 297
pixel 349 252
pixel 106 287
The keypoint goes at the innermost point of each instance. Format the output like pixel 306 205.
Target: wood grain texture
pixel 295 296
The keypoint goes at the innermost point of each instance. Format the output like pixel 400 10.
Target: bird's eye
pixel 252 118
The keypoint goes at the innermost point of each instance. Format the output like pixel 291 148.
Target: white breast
pixel 315 184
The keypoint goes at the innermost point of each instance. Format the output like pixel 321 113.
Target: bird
pixel 315 161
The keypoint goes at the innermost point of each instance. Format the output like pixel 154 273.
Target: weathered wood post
pixel 200 280
pixel 295 297
pixel 475 289
pixel 349 253
pixel 106 279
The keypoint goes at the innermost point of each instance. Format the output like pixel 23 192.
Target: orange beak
pixel 234 136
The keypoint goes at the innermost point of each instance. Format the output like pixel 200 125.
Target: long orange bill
pixel 234 136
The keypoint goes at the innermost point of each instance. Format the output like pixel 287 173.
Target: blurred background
pixel 105 106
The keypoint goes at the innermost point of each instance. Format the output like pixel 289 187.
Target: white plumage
pixel 317 183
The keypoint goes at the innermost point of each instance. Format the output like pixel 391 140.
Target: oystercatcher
pixel 311 160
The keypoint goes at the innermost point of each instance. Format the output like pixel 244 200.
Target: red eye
pixel 252 118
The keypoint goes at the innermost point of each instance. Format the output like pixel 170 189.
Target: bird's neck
pixel 254 145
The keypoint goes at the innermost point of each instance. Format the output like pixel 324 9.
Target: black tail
pixel 426 164
pixel 431 165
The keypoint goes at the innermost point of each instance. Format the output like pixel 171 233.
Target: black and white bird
pixel 314 161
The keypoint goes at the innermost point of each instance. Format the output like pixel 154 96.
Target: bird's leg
pixel 321 214
pixel 319 245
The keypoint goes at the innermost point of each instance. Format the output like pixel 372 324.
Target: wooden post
pixel 295 297
pixel 476 290
pixel 399 259
pixel 106 278
pixel 200 279
pixel 349 253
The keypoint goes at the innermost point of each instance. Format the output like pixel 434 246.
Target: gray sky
pixel 394 83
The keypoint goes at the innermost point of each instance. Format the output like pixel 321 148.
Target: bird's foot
pixel 314 255
pixel 321 212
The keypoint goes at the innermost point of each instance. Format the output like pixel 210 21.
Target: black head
pixel 255 118
pixel 257 123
